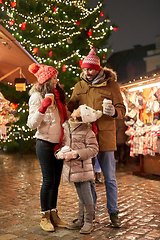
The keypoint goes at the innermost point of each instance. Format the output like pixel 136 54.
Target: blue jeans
pixel 107 163
pixel 51 170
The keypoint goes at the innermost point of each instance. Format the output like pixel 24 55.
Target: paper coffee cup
pixel 65 149
pixel 105 103
pixel 50 95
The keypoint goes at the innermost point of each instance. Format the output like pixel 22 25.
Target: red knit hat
pixel 91 61
pixel 42 72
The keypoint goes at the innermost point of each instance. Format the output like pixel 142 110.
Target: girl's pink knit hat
pixel 42 72
pixel 91 61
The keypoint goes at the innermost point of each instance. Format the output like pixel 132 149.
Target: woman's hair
pixel 48 87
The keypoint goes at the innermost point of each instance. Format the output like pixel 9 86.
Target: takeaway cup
pixel 50 95
pixel 105 103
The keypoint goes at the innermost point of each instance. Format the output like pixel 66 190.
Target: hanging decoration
pixel 64 68
pixel 50 53
pixel 11 22
pixel 55 9
pixel 23 26
pixel 46 19
pixel 90 33
pixel 35 50
pixel 14 105
pixel 101 14
pixel 77 22
pixel 115 29
pixel 13 4
pixel 1 1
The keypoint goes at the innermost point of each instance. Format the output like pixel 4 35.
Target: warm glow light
pixel 144 86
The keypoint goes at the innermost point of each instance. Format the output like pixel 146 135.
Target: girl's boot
pixel 88 219
pixel 55 219
pixel 80 221
pixel 46 224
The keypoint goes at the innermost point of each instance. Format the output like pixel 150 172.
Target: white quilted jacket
pixel 49 124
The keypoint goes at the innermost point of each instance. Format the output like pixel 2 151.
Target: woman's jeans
pixel 107 163
pixel 51 170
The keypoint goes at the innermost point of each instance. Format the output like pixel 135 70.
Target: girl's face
pixel 55 80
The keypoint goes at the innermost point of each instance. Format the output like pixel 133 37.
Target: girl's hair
pixel 48 87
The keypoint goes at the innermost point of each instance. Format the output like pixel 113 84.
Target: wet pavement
pixel 20 182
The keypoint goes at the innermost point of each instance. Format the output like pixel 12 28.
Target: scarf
pixel 98 79
pixel 63 115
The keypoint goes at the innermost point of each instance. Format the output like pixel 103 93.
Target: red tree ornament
pixel 55 9
pixel 11 22
pixel 115 29
pixel 101 14
pixel 1 1
pixel 64 68
pixel 90 33
pixel 35 50
pixel 13 4
pixel 50 53
pixel 23 26
pixel 77 22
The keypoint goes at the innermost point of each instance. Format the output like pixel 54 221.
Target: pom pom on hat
pixel 88 114
pixel 42 72
pixel 33 68
pixel 91 61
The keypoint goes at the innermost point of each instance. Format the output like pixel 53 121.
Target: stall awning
pixel 14 59
pixel 143 83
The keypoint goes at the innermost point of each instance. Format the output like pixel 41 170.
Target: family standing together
pixel 71 142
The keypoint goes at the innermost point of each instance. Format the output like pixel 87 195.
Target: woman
pixel 47 117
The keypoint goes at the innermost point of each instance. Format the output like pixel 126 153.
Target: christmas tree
pixel 59 33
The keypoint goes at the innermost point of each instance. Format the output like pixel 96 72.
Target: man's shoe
pixel 115 222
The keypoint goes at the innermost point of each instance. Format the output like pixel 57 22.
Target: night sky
pixel 138 22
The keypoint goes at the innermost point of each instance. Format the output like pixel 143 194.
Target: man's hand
pixel 109 110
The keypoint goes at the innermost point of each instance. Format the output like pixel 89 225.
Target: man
pixel 96 85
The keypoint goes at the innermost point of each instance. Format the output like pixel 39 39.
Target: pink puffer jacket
pixel 83 140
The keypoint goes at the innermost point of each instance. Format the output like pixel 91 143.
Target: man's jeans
pixel 107 163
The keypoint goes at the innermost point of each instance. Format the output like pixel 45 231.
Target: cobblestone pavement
pixel 20 182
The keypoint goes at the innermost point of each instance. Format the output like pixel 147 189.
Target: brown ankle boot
pixel 46 224
pixel 55 219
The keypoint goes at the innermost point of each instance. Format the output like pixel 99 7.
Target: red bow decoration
pixel 13 4
pixel 14 105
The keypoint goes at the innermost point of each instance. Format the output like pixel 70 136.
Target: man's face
pixel 90 73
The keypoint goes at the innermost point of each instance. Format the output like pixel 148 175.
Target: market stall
pixel 142 100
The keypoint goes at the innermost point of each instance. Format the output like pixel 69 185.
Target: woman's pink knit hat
pixel 42 72
pixel 91 61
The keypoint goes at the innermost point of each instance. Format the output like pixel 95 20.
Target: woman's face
pixel 55 80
